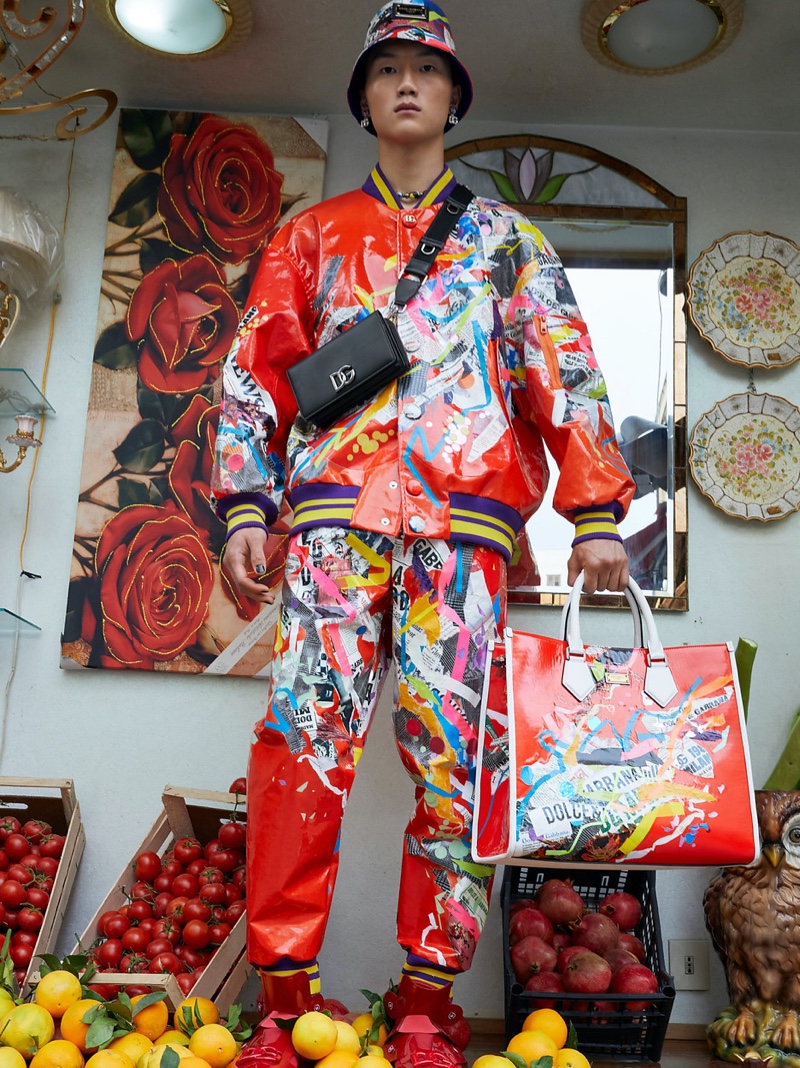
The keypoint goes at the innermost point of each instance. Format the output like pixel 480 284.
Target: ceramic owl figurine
pixel 753 915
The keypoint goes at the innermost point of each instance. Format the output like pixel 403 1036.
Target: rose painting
pixel 194 199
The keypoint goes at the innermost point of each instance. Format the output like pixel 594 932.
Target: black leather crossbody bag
pixel 357 364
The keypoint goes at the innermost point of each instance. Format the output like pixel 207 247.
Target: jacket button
pixel 409 220
pixel 416 523
pixel 414 487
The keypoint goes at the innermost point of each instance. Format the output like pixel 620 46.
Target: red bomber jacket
pixel 502 364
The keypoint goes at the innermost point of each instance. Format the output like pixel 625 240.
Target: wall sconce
pixel 659 36
pixel 24 439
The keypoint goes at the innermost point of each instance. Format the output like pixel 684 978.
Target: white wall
pixel 123 736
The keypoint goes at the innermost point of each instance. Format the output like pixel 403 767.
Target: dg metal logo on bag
pixel 343 377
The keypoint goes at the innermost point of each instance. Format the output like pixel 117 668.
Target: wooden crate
pixel 186 813
pixel 54 801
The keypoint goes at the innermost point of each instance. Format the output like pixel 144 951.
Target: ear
pixel 455 98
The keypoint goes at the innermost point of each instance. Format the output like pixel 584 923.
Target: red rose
pixel 155 579
pixel 220 191
pixel 189 476
pixel 185 319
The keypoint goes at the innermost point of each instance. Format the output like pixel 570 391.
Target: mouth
pixel 406 107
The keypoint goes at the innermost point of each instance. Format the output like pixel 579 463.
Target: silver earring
pixel 452 118
pixel 365 121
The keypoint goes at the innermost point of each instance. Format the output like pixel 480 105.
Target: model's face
pixel 409 91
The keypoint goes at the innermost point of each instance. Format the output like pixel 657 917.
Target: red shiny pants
pixel 348 598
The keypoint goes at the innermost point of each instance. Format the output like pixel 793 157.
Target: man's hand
pixel 245 559
pixel 604 563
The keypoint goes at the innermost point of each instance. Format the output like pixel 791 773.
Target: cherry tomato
pixel 186 850
pixel 12 894
pixel 156 946
pixel 211 893
pixel 114 925
pixel 143 891
pixel 2 913
pixel 135 989
pixel 238 786
pixel 210 874
pixel 37 897
pixel 24 938
pixel 167 962
pixel 239 877
pixel 196 934
pixel 163 882
pixel 218 932
pixel 29 918
pixel 186 981
pixel 167 928
pixel 35 830
pixel 140 909
pixel 147 925
pixel 233 835
pixel 47 866
pixel 234 911
pixel 172 866
pixel 133 963
pixel 197 866
pixel 160 904
pixel 10 919
pixel 109 953
pixel 227 860
pixel 232 893
pixel 135 939
pixel 175 909
pixel 21 875
pixel 9 825
pixel 147 866
pixel 52 845
pixel 20 955
pixel 195 909
pixel 185 885
pixel 17 846
pixel 3 860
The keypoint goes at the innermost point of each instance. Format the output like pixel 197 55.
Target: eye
pixel 794 835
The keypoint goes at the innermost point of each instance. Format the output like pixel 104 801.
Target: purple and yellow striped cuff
pixel 598 522
pixel 246 510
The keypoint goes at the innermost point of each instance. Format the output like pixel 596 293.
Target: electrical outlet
pixel 688 964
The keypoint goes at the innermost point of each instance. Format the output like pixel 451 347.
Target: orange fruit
pixel 314 1035
pixel 549 1021
pixel 531 1045
pixel 56 991
pixel 348 1039
pixel 570 1058
pixel 338 1058
pixel 198 1010
pixel 26 1028
pixel 152 1020
pixel 369 1060
pixel 364 1023
pixel 109 1058
pixel 73 1029
pixel 214 1044
pixel 152 1059
pixel 9 1058
pixel 193 1062
pixel 57 1054
pixel 178 1037
pixel 491 1060
pixel 133 1045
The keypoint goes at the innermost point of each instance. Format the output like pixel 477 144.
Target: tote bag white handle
pixel 577 677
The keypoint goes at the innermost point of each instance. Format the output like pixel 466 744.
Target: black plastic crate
pixel 609 1029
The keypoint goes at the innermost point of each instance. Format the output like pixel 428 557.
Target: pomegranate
pixel 596 932
pixel 562 905
pixel 633 944
pixel 618 958
pixel 634 979
pixel 545 983
pixel 587 973
pixel 561 939
pixel 529 921
pixel 566 955
pixel 623 908
pixel 532 954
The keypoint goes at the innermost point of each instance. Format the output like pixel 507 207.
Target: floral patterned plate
pixel 744 298
pixel 745 456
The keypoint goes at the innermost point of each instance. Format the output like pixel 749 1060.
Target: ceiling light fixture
pixel 659 36
pixel 29 46
pixel 181 29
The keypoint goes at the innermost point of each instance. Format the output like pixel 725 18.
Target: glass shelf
pixel 10 622
pixel 19 395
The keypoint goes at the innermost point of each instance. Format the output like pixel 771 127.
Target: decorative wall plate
pixel 744 298
pixel 745 456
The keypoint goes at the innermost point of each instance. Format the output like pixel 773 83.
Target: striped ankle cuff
pixel 422 971
pixel 284 968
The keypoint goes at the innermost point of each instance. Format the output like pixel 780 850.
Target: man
pixel 405 513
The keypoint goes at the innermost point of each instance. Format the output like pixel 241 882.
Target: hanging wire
pixel 23 572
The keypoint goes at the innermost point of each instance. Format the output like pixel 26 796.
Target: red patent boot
pixel 284 998
pixel 429 1030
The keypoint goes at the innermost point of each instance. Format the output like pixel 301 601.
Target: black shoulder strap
pixel 431 244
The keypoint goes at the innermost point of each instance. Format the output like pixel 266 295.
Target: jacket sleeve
pixel 562 389
pixel 258 407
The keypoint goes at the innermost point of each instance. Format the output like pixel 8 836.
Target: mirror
pixel 622 239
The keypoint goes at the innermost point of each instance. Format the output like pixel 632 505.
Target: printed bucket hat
pixel 425 23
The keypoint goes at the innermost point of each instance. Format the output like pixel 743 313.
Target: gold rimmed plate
pixel 745 456
pixel 744 298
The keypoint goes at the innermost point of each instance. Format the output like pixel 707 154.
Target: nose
pixel 407 83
